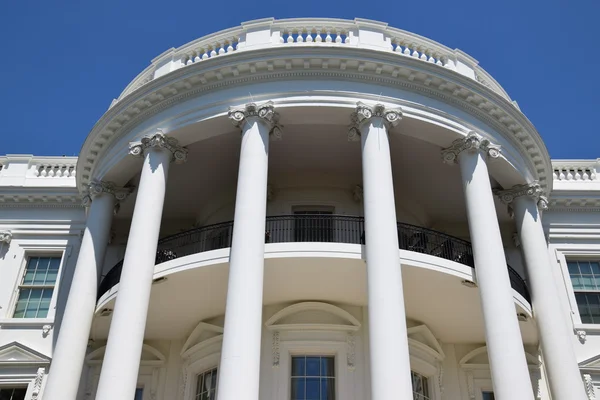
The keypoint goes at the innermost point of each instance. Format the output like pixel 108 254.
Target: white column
pixel 510 374
pixel 553 326
pixel 71 346
pixel 118 378
pixel 388 341
pixel 240 354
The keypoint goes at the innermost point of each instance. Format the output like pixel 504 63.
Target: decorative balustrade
pixel 578 170
pixel 313 228
pixel 55 170
pixel 27 170
pixel 260 34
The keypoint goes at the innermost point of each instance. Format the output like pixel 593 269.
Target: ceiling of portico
pixel 311 156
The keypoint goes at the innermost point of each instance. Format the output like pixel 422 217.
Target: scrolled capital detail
pixel 97 187
pixel 365 112
pixel 265 112
pixel 159 140
pixel 5 237
pixel 472 142
pixel 533 190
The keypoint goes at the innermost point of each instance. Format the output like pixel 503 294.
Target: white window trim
pixel 195 368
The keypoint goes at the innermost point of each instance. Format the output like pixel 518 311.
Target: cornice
pixel 40 197
pixel 390 69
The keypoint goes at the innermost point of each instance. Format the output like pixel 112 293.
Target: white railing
pixel 27 170
pixel 576 170
pixel 360 33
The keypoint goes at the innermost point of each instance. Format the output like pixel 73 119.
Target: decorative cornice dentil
pixel 472 142
pixel 161 140
pixel 96 188
pixel 364 113
pixel 589 386
pixel 265 111
pixel 5 237
pixel 533 190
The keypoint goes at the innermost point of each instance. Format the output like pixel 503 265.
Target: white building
pixel 390 246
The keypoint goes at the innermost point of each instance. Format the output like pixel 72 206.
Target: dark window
pixel 313 378
pixel 585 278
pixel 12 393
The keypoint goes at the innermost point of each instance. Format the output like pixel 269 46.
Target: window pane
pixel 139 394
pixel 577 283
pixel 573 268
pixel 585 267
pixel 313 389
pixel 207 385
pixel 327 366
pixel 313 366
pixel 298 388
pixel 488 395
pixel 587 282
pixel 298 366
pixel 327 389
pixel 12 393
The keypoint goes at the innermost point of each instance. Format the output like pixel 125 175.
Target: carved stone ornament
pixel 364 113
pixel 46 330
pixel 37 383
pixel 5 237
pixel 351 351
pixel 472 142
pixel 533 190
pixel 264 111
pixel 276 349
pixel 589 387
pixel 582 336
pixel 97 187
pixel 161 140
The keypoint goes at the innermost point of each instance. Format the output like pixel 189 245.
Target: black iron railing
pixel 313 228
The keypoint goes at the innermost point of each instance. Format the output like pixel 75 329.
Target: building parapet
pixel 26 170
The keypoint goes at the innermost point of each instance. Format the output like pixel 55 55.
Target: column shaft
pixel 118 379
pixel 510 374
pixel 69 354
pixel 388 342
pixel 240 357
pixel 555 337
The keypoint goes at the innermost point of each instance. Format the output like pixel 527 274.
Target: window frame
pixel 334 378
pixel 21 285
pixel 61 249
pixel 197 375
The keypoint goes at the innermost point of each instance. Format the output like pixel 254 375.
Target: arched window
pixel 206 388
pixel 420 386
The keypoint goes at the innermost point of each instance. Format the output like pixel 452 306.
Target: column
pixel 69 354
pixel 553 326
pixel 388 342
pixel 118 378
pixel 240 354
pixel 510 374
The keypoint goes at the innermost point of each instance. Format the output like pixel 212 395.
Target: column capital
pixel 97 187
pixel 533 190
pixel 159 140
pixel 364 113
pixel 5 237
pixel 472 142
pixel 265 112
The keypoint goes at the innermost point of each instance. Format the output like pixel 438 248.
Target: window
pixel 37 287
pixel 139 394
pixel 313 378
pixel 585 278
pixel 207 385
pixel 420 386
pixel 313 226
pixel 487 395
pixel 12 393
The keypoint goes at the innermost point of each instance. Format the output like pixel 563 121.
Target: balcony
pixel 313 228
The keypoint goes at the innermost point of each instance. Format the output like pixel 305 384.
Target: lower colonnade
pixel 388 334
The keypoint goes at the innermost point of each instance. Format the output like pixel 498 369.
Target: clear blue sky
pixel 63 62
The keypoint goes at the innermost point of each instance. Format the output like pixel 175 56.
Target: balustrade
pixel 55 170
pixel 575 173
pixel 313 228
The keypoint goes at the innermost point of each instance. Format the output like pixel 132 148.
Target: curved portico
pixel 319 85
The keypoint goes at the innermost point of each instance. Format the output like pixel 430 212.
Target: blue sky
pixel 63 62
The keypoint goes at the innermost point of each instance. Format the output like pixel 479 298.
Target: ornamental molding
pixel 5 237
pixel 351 351
pixel 581 335
pixel 213 74
pixel 472 142
pixel 533 190
pixel 37 383
pixel 589 387
pixel 276 348
pixel 364 113
pixel 264 112
pixel 161 141
pixel 96 188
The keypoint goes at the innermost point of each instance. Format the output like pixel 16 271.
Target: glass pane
pixel 313 366
pixel 585 267
pixel 298 388
pixel 573 268
pixel 12 393
pixel 313 389
pixel 327 366
pixel 587 282
pixel 577 283
pixel 488 396
pixel 29 274
pixel 298 366
pixel 327 389
pixel 595 268
pixel 139 394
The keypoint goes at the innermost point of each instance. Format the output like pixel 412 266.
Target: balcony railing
pixel 313 228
